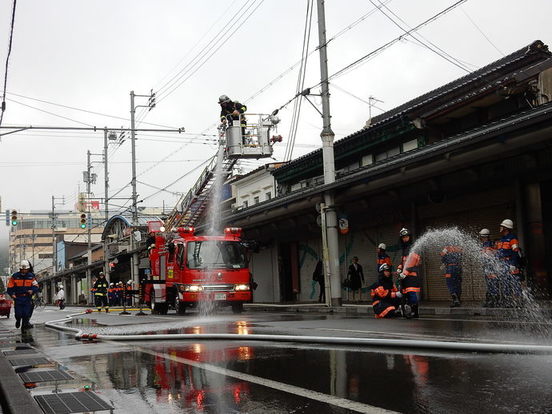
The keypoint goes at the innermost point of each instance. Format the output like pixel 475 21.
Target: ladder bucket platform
pixel 251 140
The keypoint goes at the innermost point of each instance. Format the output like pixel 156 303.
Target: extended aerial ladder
pixel 243 138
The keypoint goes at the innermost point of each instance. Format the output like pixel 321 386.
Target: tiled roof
pixel 531 54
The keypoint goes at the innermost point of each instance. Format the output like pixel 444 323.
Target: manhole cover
pixel 29 361
pixel 71 402
pixel 43 376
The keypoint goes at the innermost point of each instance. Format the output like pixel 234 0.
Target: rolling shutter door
pixel 473 220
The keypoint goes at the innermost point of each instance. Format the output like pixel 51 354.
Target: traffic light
pixel 83 221
pixel 14 220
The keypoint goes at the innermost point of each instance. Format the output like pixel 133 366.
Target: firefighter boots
pixel 455 301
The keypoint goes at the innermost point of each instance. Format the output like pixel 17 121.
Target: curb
pixel 14 396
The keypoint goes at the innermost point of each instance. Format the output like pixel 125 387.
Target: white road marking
pixel 280 386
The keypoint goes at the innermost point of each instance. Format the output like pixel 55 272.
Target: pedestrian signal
pixel 83 221
pixel 14 220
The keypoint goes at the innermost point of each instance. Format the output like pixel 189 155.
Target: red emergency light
pixel 186 230
pixel 235 231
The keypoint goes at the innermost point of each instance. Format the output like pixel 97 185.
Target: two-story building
pixel 469 154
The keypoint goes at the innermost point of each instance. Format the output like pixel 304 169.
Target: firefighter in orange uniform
pixel 383 257
pixel 407 271
pixel 386 299
pixel 22 286
pixel 451 256
pixel 508 252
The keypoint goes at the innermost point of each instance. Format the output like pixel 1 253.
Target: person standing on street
pixel 100 293
pixel 60 297
pixel 22 286
pixel 489 271
pixel 356 277
pixel 318 276
pixel 407 271
pixel 451 256
pixel 508 251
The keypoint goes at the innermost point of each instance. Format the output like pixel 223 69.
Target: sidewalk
pixel 426 308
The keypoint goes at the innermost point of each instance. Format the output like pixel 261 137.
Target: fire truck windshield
pixel 215 254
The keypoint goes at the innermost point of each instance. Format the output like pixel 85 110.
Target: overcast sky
pixel 89 55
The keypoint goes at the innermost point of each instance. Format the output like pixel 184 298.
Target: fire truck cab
pixel 188 269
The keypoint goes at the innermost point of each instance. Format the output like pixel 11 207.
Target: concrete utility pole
pixel 54 241
pixel 331 260
pixel 151 104
pixel 88 218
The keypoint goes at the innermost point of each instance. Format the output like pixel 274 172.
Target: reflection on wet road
pixel 253 377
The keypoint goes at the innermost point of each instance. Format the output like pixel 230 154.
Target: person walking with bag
pixel 318 276
pixel 356 277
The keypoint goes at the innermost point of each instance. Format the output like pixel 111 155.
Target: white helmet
pixel 384 267
pixel 223 99
pixel 25 264
pixel 382 246
pixel 404 232
pixel 484 233
pixel 507 223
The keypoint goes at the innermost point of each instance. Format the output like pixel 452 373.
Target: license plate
pixel 220 296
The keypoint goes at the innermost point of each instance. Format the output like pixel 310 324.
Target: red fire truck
pixel 188 269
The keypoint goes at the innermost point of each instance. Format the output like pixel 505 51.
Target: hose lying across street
pixel 353 341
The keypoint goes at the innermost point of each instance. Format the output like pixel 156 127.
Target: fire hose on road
pixel 353 341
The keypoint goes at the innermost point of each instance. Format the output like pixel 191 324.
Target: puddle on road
pixel 214 378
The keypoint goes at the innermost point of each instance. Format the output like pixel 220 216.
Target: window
pixel 389 153
pixel 216 254
pixel 410 145
pixel 367 160
pixel 256 200
pixel 268 196
pixel 245 204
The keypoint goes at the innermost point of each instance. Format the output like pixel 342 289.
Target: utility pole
pixel 54 241
pixel 151 104
pixel 331 260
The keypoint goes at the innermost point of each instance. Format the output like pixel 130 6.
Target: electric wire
pixel 482 32
pixel 438 51
pixel 300 82
pixel 3 104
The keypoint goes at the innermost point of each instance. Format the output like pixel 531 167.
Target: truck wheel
pixel 237 307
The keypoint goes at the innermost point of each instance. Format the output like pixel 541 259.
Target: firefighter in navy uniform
pixel 100 288
pixel 231 111
pixel 386 298
pixel 451 256
pixel 407 271
pixel 508 252
pixel 22 286
pixel 383 257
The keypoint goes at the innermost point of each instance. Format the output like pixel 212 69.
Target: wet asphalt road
pixel 259 377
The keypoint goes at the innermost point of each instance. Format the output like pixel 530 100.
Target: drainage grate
pixel 43 376
pixel 29 361
pixel 71 402
pixel 21 351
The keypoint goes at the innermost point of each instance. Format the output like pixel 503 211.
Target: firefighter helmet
pixel 25 264
pixel 223 99
pixel 382 246
pixel 507 223
pixel 404 232
pixel 484 233
pixel 384 267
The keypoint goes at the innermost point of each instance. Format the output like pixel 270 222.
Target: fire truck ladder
pixel 191 206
